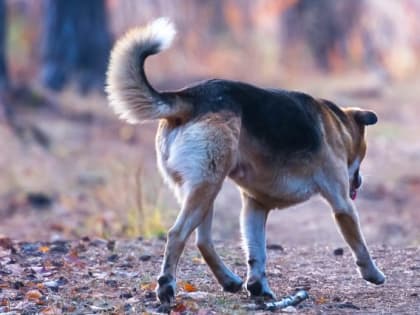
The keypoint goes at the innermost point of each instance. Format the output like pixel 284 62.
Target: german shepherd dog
pixel 280 148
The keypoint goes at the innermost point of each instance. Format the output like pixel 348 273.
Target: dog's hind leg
pixel 229 281
pixel 196 204
pixel 201 155
pixel 253 220
pixel 347 219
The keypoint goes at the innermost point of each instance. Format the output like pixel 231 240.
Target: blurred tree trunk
pixel 5 108
pixel 324 25
pixel 76 44
pixel 4 78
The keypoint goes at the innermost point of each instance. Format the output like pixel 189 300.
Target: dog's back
pixel 286 122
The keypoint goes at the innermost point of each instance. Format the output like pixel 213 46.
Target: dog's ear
pixel 365 117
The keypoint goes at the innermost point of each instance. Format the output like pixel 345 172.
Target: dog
pixel 279 147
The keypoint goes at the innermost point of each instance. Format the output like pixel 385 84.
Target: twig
pixel 291 300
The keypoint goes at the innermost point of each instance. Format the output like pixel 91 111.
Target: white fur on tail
pixel 129 93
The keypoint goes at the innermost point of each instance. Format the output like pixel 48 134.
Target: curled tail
pixel 129 93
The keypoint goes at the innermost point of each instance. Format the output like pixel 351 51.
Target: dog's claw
pixel 164 308
pixel 375 277
pixel 233 285
pixel 260 288
pixel 166 290
pixel 372 274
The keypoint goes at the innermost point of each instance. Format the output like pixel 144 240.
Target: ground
pixel 73 177
pixel 97 276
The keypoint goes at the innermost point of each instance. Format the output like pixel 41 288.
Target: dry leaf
pixel 321 300
pixel 148 286
pixel 179 308
pixel 5 242
pixel 188 287
pixel 4 302
pixel 44 249
pixel 33 295
pixel 40 285
pixel 198 260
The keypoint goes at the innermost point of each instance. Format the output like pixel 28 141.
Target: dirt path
pixel 107 277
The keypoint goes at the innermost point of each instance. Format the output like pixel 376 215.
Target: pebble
pixel 30 249
pixel 54 285
pixel 348 305
pixel 275 247
pixel 17 285
pixel 111 283
pixel 289 309
pixel 110 245
pixel 59 247
pixel 113 258
pixel 126 295
pixel 145 257
pixel 39 201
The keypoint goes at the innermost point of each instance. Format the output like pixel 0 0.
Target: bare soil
pixel 93 276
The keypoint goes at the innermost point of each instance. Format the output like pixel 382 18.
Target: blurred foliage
pixel 279 38
pixel 74 149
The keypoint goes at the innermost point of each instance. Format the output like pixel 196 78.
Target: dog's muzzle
pixel 355 184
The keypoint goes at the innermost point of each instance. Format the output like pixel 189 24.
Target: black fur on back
pixel 286 122
pixel 336 110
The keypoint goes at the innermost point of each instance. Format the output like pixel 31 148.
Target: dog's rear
pixel 194 157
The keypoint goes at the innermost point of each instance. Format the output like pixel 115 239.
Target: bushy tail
pixel 129 93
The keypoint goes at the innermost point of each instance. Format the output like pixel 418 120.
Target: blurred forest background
pixel 69 168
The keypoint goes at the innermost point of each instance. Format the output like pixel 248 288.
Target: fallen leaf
pixel 198 260
pixel 6 242
pixel 321 300
pixel 179 308
pixel 44 249
pixel 4 302
pixel 192 306
pixel 40 285
pixel 188 287
pixel 148 286
pixel 33 295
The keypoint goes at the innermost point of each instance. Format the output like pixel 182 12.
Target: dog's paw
pixel 376 277
pixel 372 274
pixel 260 288
pixel 166 289
pixel 233 284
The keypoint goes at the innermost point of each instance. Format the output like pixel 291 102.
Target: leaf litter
pixel 113 277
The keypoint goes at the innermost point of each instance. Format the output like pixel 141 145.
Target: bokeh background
pixel 69 168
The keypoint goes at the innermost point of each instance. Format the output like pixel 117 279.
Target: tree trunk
pixel 324 25
pixel 76 44
pixel 4 78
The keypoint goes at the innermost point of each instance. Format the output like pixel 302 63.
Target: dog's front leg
pixel 347 219
pixel 229 281
pixel 349 225
pixel 196 204
pixel 253 220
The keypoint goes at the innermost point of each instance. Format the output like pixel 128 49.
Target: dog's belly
pixel 277 188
